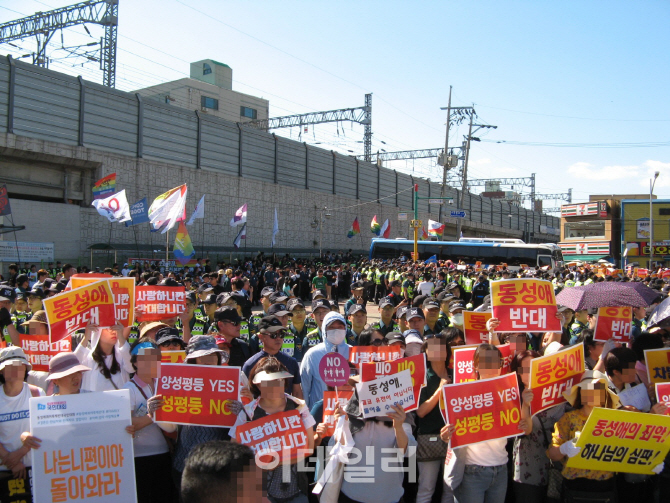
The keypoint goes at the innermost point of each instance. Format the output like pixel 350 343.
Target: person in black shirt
pixel 228 327
pixel 330 278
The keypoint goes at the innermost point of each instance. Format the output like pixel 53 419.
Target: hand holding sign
pixel 334 370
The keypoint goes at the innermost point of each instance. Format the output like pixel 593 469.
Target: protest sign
pixel 198 394
pixel 334 370
pixel 474 326
pixel 658 364
pixel 70 311
pixel 330 400
pixel 525 305
pixel 86 453
pixel 463 367
pixel 40 351
pixel 415 364
pixel 173 356
pixel 483 410
pixel 663 394
pixel 123 290
pixel 377 396
pixel 613 322
pixel 159 302
pixel 277 436
pixel 622 441
pixel 551 375
pixel 365 354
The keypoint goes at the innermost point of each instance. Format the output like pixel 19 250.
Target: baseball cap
pixel 167 334
pixel 431 303
pixel 395 282
pixel 205 288
pixel 227 313
pixel 36 292
pixel 169 282
pixel 456 305
pixel 191 297
pixel 414 312
pixel 358 285
pixel 316 304
pixel 445 296
pixel 392 337
pixel 401 311
pixel 412 336
pixel 278 297
pixel 318 293
pixel 13 354
pixel 355 308
pixel 385 302
pixel 7 294
pixel 270 324
pixel 278 310
pixel 267 291
pixel 210 299
pixel 293 303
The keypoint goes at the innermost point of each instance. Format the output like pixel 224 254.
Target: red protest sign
pixel 551 375
pixel 173 356
pixel 525 305
pixel 330 400
pixel 663 394
pixel 281 435
pixel 159 302
pixel 463 367
pixel 366 354
pixel 334 370
pixel 474 326
pixel 123 290
pixel 613 322
pixel 483 410
pixel 67 312
pixel 415 364
pixel 198 394
pixel 39 351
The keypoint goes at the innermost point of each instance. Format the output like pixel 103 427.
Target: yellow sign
pixel 416 224
pixel 552 375
pixel 658 364
pixel 622 441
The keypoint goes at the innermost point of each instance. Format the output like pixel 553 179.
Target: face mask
pixel 336 336
pixel 457 319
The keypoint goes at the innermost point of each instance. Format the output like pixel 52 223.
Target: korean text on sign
pixel 40 351
pixel 463 366
pixel 658 364
pixel 613 322
pixel 483 410
pixel 365 354
pixel 73 310
pixel 415 364
pixel 159 302
pixel 551 375
pixel 198 394
pixel 330 400
pixel 663 394
pixel 524 305
pixel 97 463
pixel 282 434
pixel 474 326
pixel 378 396
pixel 622 441
pixel 123 290
pixel 173 356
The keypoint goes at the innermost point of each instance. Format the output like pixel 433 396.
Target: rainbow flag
pixel 435 228
pixel 355 229
pixel 424 234
pixel 105 187
pixel 374 226
pixel 183 248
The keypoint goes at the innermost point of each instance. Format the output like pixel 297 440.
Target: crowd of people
pixel 275 320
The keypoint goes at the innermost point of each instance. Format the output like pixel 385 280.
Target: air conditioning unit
pixel 204 109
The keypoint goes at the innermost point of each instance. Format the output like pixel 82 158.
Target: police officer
pixel 386 323
pixel 320 308
pixel 255 319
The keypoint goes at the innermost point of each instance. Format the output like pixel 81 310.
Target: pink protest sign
pixel 334 369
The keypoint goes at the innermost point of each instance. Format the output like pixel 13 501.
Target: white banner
pixel 376 397
pixel 29 252
pixel 86 453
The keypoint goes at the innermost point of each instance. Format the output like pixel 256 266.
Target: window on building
pixel 248 112
pixel 589 229
pixel 206 69
pixel 207 102
pixel 664 211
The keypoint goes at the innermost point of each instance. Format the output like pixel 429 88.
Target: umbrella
pixel 660 316
pixel 606 294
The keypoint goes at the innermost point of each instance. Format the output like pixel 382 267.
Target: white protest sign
pixel 376 397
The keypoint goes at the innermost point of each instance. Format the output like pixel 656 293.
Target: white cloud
pixel 648 169
pixel 480 162
pixel 586 171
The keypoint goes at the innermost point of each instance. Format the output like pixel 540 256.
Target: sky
pixel 578 90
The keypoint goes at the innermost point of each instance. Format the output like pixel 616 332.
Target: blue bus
pixel 512 252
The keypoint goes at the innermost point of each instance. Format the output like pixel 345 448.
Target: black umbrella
pixel 607 294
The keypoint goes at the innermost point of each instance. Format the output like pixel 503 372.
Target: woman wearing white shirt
pixel 109 360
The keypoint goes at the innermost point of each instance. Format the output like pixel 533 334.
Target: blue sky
pixel 568 72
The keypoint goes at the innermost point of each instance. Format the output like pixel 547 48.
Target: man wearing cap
pixel 456 311
pixel 431 310
pixel 271 333
pixel 581 322
pixel 20 315
pixel 7 296
pixel 265 302
pixel 416 319
pixel 197 325
pixel 236 300
pixel 320 308
pixel 385 323
pixel 297 326
pixel 408 287
pixel 397 340
pixel 334 341
pixel 357 290
pixel 228 327
pixel 280 312
pixel 358 319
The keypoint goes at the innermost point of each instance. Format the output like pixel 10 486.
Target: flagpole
pixel 167 248
pixel 109 243
pixel 203 237
pixel 16 241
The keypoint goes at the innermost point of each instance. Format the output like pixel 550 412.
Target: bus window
pixel 543 260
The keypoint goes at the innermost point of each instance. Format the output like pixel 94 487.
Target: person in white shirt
pixel 426 286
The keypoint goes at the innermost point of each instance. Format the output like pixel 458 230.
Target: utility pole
pixel 465 175
pixel 446 159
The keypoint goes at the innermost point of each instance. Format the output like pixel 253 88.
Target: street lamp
pixel 322 212
pixel 652 182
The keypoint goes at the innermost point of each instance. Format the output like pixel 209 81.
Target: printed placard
pixel 334 370
pixel 525 305
pixel 613 322
pixel 123 290
pixel 463 366
pixel 86 453
pixel 663 394
pixel 330 400
pixel 415 364
pixel 622 441
pixel 552 375
pixel 366 354
pixel 173 356
pixel 281 435
pixel 40 351
pixel 198 394
pixel 377 396
pixel 474 326
pixel 159 302
pixel 70 311
pixel 658 364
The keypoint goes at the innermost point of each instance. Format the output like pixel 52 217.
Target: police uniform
pixel 385 329
pixel 254 320
pixel 311 339
pixel 288 347
pixel 576 329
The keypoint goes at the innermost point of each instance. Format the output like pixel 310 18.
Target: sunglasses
pixel 233 323
pixel 277 335
pixel 377 342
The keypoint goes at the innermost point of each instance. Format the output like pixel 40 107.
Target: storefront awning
pixel 583 258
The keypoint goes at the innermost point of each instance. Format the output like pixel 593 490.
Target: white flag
pixel 115 207
pixel 275 228
pixel 240 236
pixel 168 209
pixel 240 216
pixel 199 211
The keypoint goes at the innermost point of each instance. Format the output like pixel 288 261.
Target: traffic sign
pixel 435 201
pixel 458 214
pixel 415 224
